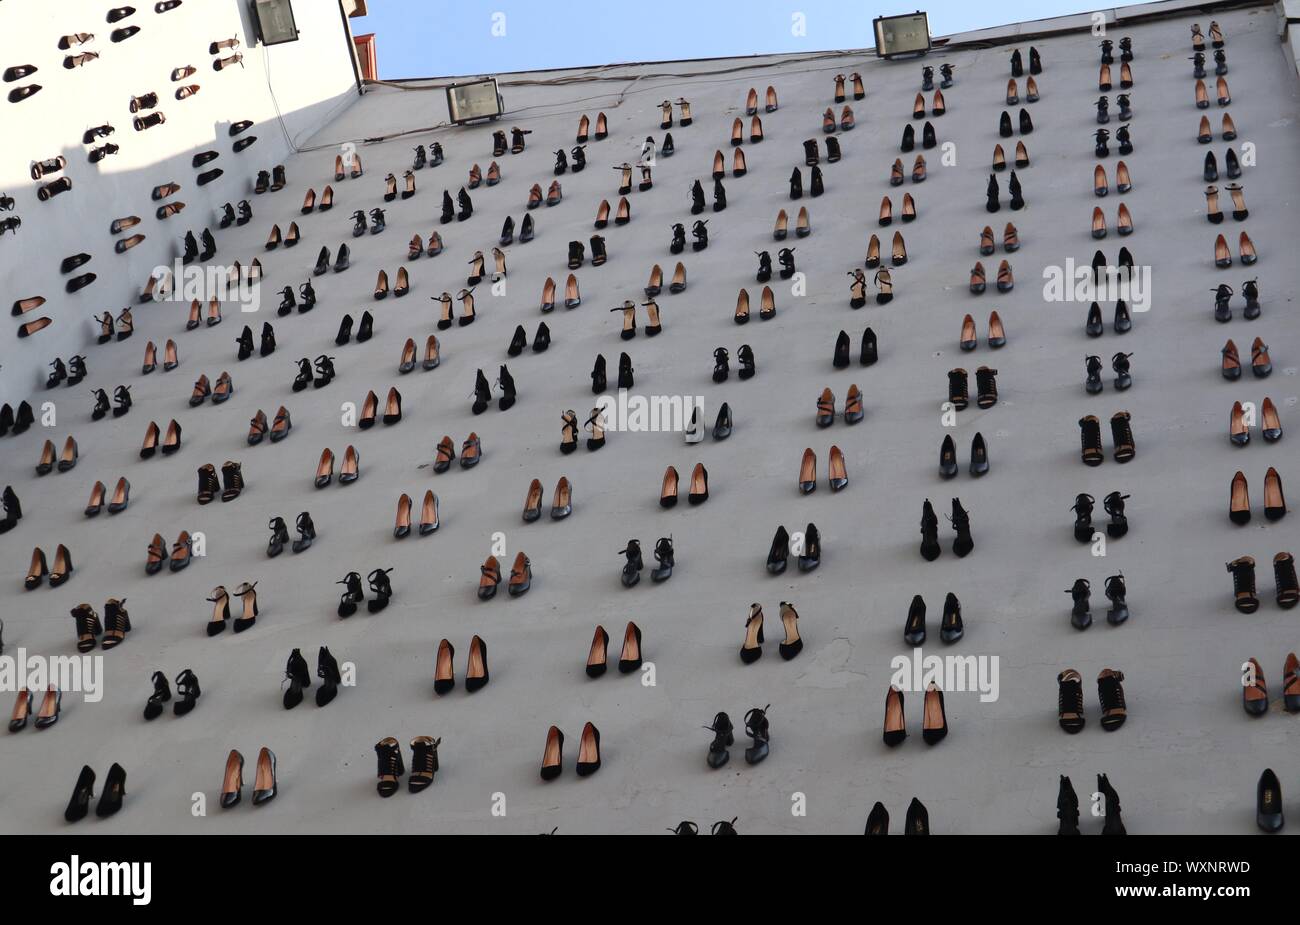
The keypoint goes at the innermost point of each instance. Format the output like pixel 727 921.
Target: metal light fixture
pixel 898 36
pixel 475 99
pixel 275 22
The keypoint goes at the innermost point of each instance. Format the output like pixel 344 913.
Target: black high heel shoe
pixel 295 672
pixel 962 544
pixel 634 564
pixel 187 692
pixel 758 729
pixel 664 556
pixel 306 532
pixel 1114 506
pixel 352 595
pixel 1080 614
pixel 279 537
pixel 723 737
pixel 1116 592
pixel 381 588
pixel 161 694
pixel 1082 507
pixel 779 553
pixel 82 793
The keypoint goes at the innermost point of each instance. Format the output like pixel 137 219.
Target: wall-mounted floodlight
pixel 474 99
pixel 275 22
pixel 897 36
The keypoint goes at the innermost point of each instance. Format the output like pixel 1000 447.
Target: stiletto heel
pixel 723 736
pixel 247 594
pixel 895 727
pixel 82 793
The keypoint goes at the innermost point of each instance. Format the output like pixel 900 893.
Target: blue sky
pixel 436 38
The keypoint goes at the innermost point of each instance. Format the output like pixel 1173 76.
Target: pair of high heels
pixel 757 727
pixel 16 422
pixel 471 451
pixel 986 388
pixel 853 412
pixel 578 253
pixel 1239 498
pixel 584 128
pixel 400 288
pixel 483 392
pixel 868 353
pixel 424 764
pixel 979 456
pixel 121 395
pixel 1093 325
pixel 476 667
pixel 1254 691
pixel 220 600
pixel 541 340
pixel 187 694
pixel 521 577
pixel 934 718
pixel 73 372
pixel 928 138
pixel 951 626
pixel 751 650
pixel 418 248
pixel 917 821
pixel 1119 363
pixel 770 103
pixel 629 659
pixel 1223 301
pixel 1260 362
pixel 1113 504
pixel 280 535
pixel 432 354
pixel 807 546
pixel 1067 808
pixel 1121 432
pixel 230 487
pixel 123 329
pixel 697 494
pixel 1006 280
pixel 264 783
pixel 1239 423
pixel 64 462
pixel 1080 596
pixel 170 442
pixel 1223 256
pixel 353 594
pixel 561 501
pixel 802 225
pixel 365 330
pixel 962 543
pixel 295 672
pixel 573 297
pixel 588 752
pixel 722 366
pixel 116 624
pixel 110 797
pixel 896 174
pixel 58 573
pixel 170 358
pixel 429 516
pixel 1245 598
pixel 182 553
pixel 277 430
pixel 349 470
pixel 48 714
pixel 203 389
pixel 369 411
pixel 1110 694
pixel 837 475
pixel 634 564
pixel 246 346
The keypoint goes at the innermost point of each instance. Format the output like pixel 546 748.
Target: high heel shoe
pixel 758 729
pixel 381 588
pixel 723 737
pixel 352 595
pixel 232 785
pixel 161 694
pixel 553 756
pixel 82 793
pixel 51 707
pixel 895 727
pixel 296 674
pixel 187 692
pixel 934 723
pixel 247 594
